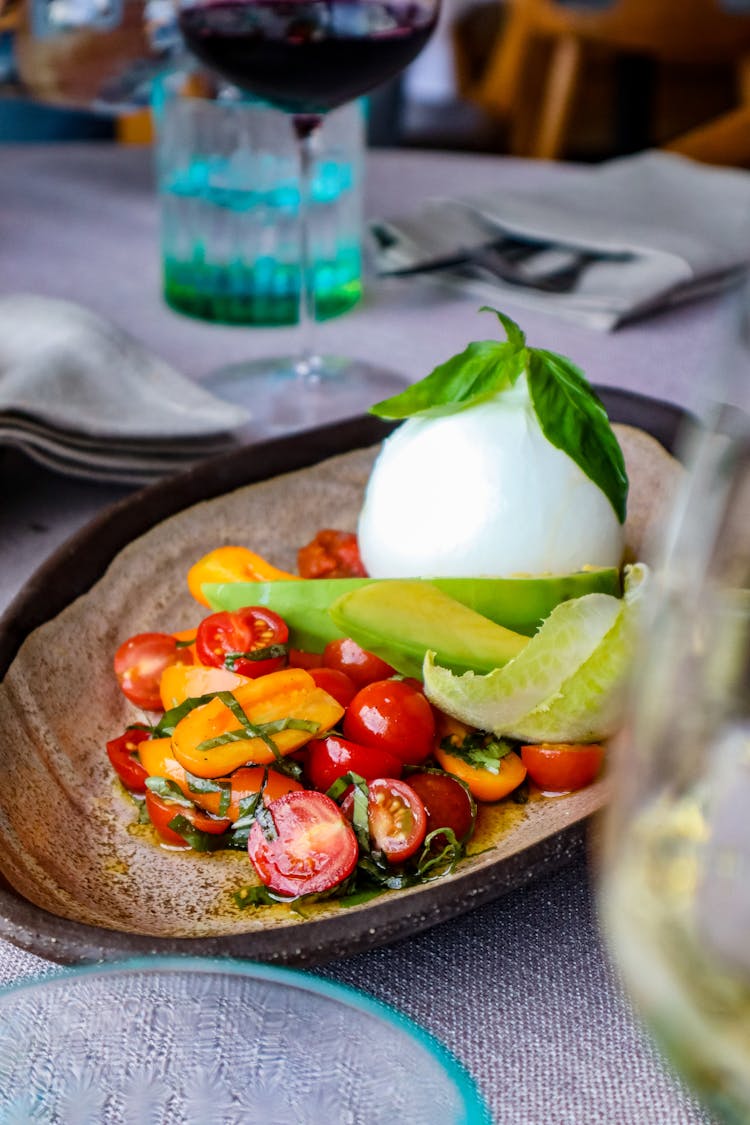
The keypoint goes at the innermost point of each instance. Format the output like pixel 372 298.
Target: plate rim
pixel 55 584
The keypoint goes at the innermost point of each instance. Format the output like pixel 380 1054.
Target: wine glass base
pixel 291 394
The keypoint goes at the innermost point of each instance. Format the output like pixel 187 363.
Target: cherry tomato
pixel 298 658
pixel 161 812
pixel 231 564
pixel 359 665
pixel 313 850
pixel 245 631
pixel 447 802
pixel 122 753
pixel 485 785
pixel 393 716
pixel 561 766
pixel 337 684
pixel 330 758
pixel 331 554
pixel 139 663
pixel 396 818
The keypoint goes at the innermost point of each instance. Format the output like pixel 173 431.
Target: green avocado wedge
pixel 402 620
pixel 520 604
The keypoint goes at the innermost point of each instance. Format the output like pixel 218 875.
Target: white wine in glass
pixel 675 890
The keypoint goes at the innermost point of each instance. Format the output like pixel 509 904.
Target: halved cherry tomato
pixel 331 554
pixel 485 785
pixel 447 802
pixel 328 759
pixel 248 630
pixel 123 754
pixel 139 663
pixel 157 760
pixel 232 564
pixel 562 766
pixel 161 812
pixel 314 847
pixel 362 667
pixel 393 716
pixel 298 658
pixel 396 818
pixel 337 684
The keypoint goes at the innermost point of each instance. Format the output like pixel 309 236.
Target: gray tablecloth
pixel 520 990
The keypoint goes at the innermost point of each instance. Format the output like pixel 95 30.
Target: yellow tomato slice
pixel 288 694
pixel 191 680
pixel 232 564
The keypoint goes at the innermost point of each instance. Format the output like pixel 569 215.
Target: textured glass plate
pixel 187 1041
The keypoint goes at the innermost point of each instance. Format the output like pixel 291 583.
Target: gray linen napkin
pixel 80 395
pixel 599 245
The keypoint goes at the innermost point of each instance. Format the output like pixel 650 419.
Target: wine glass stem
pixel 307 130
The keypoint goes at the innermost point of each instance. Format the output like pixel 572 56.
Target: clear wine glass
pixel 306 57
pixel 675 890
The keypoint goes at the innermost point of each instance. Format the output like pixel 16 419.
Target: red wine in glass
pixel 306 57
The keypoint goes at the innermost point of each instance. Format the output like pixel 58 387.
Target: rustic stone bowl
pixel 79 880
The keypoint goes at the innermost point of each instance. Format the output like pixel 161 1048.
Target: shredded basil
pixel 168 791
pixel 199 841
pixel 270 652
pixel 185 644
pixel 482 751
pixel 171 718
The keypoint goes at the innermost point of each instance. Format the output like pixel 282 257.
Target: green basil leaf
pixel 478 372
pixel 270 652
pixel 259 896
pixel 184 644
pixel 201 784
pixel 168 791
pixel 357 898
pixel 199 841
pixel 574 420
pixel 514 334
pixel 171 718
pixel 481 751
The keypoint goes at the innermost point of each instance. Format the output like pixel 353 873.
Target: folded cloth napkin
pixel 82 396
pixel 598 245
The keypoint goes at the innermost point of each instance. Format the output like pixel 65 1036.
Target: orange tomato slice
pixel 232 564
pixel 186 681
pixel 288 694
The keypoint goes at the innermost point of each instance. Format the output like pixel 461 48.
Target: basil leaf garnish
pixel 571 416
pixel 267 653
pixel 199 841
pixel 201 784
pixel 481 751
pixel 574 420
pixel 168 791
pixel 171 718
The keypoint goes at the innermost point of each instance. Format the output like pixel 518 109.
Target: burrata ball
pixel 482 492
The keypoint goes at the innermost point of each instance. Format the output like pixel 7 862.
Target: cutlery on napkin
pixel 599 245
pixel 85 398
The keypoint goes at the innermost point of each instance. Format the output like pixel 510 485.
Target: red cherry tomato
pixel 331 554
pixel 393 716
pixel 447 802
pixel 359 665
pixel 337 684
pixel 330 758
pixel 396 818
pixel 161 812
pixel 123 754
pixel 562 766
pixel 247 630
pixel 313 850
pixel 139 663
pixel 298 658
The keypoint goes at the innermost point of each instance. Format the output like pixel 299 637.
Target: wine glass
pixel 306 57
pixel 675 891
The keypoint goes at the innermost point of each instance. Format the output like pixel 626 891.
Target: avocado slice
pixel 401 620
pixel 520 604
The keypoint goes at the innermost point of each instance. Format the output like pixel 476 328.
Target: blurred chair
pixel 724 140
pixel 685 31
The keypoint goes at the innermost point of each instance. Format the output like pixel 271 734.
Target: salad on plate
pixel 345 727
